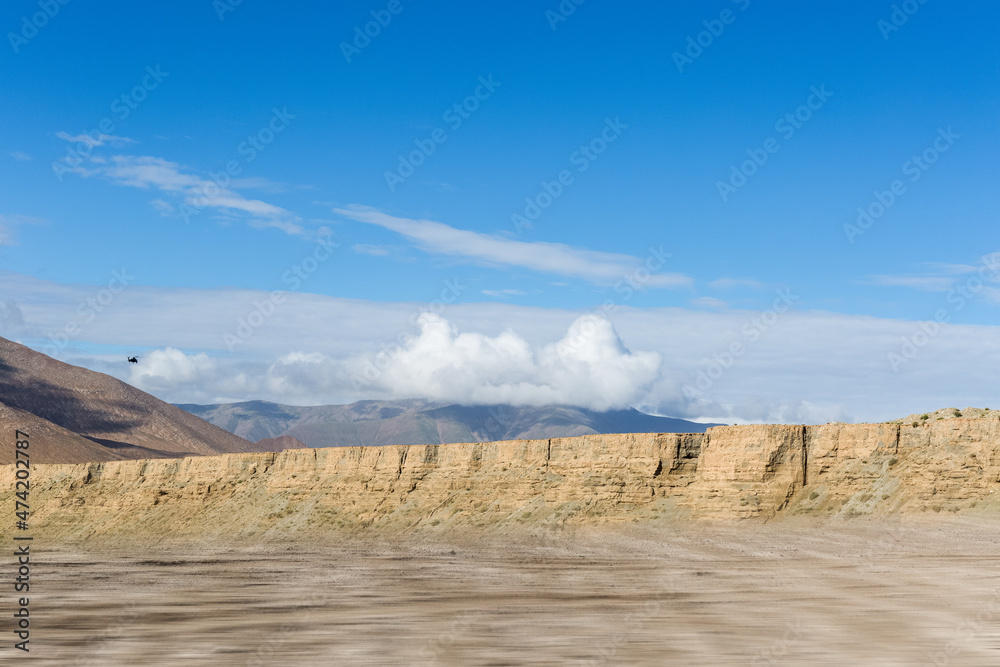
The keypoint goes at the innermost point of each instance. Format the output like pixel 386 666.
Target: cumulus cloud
pixel 315 353
pixel 595 266
pixel 169 367
pixel 589 366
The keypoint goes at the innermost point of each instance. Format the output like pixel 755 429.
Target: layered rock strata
pixel 762 471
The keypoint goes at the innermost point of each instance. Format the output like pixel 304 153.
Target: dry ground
pixel 843 593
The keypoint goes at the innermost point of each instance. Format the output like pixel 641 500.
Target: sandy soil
pixel 846 593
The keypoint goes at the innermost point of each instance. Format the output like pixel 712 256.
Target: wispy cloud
pixel 18 155
pixel 193 193
pixel 97 140
pixel 374 250
pixel 9 222
pixel 922 283
pixel 558 258
pixel 940 276
pixel 710 302
pixel 501 293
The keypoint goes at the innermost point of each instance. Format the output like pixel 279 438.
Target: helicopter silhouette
pixel 133 360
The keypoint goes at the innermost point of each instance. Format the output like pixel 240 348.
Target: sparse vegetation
pixel 957 413
pixel 893 461
pixel 916 424
pixel 924 417
pixel 814 495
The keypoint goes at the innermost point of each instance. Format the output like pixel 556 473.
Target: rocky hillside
pixel 730 472
pixel 89 416
pixel 421 422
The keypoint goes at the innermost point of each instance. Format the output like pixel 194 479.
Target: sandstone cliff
pixel 729 472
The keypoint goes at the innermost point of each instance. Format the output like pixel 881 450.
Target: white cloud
pixel 807 366
pixel 922 283
pixel 501 293
pixel 710 302
pixel 164 207
pixel 193 192
pixel 9 222
pixel 438 238
pixel 93 142
pixel 169 367
pixel 942 276
pixel 18 155
pixel 589 366
pixel 374 250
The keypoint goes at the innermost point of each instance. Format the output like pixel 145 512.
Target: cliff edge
pixel 730 472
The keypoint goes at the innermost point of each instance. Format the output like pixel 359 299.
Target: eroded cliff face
pixel 729 472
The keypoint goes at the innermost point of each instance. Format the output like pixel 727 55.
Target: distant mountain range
pixel 75 415
pixel 417 422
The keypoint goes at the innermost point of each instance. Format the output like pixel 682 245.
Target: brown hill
pixel 117 420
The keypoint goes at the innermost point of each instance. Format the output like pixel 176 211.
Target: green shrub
pixel 814 495
pixel 924 417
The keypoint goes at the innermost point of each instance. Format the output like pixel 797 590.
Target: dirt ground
pixel 842 593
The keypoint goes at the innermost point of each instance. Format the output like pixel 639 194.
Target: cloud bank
pixel 318 350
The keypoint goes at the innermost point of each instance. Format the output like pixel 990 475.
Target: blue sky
pixel 833 101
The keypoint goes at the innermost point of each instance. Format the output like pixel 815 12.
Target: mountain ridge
pixel 423 422
pixel 89 416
